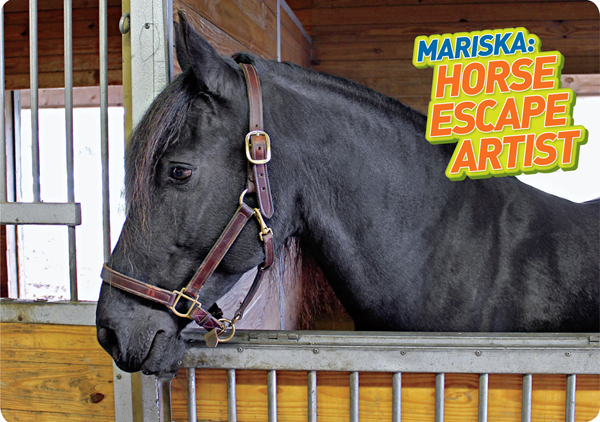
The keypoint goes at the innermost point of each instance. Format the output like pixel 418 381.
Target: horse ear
pixel 193 51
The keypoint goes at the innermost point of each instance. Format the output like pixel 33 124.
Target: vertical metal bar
pixel 126 47
pixel 278 30
pixel 68 15
pixel 397 397
pixel 168 30
pixel 104 126
pixel 483 398
pixel 281 291
pixel 353 396
pixel 33 82
pixel 164 397
pixel 272 394
pixel 3 167
pixel 13 167
pixel 190 374
pixel 312 396
pixel 439 397
pixel 231 396
pixel 570 406
pixel 526 405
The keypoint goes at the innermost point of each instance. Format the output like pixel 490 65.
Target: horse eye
pixel 179 173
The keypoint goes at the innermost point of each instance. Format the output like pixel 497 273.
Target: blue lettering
pixel 474 48
pixel 519 43
pixel 500 43
pixel 462 47
pixel 427 50
pixel 485 43
pixel 446 50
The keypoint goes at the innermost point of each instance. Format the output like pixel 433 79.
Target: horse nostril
pixel 109 341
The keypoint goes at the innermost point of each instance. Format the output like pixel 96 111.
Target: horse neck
pixel 368 181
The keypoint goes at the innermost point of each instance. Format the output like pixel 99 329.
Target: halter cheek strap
pixel 258 152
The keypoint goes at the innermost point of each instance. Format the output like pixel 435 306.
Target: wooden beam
pixel 424 13
pixel 584 28
pixel 582 85
pixel 321 4
pixel 82 97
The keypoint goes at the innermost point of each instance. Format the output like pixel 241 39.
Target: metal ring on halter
pixel 232 325
pixel 243 195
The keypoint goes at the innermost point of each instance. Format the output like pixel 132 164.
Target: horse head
pixel 185 169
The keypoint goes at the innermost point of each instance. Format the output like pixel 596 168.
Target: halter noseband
pixel 258 152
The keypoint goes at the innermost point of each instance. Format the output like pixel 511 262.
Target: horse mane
pixel 291 75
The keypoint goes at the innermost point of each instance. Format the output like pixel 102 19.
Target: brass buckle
pixel 191 299
pixel 264 230
pixel 268 141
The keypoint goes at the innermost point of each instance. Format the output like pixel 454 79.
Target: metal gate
pixel 395 353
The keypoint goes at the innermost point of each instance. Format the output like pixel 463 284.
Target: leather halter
pixel 258 152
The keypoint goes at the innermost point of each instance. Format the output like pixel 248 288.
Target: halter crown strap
pixel 258 144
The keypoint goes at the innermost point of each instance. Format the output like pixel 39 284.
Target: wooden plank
pixel 219 39
pixel 582 85
pixel 528 11
pixel 48 343
pixel 16 65
pixel 402 87
pixel 393 50
pixel 249 22
pixel 372 69
pixel 587 397
pixel 290 26
pixel 82 97
pixel 31 415
pixel 50 47
pixel 461 397
pixel 63 388
pixel 320 4
pixel 54 372
pixel 404 68
pixel 23 5
pixel 57 79
pixel 585 28
pixel 50 23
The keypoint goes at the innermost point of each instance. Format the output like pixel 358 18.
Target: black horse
pixel 404 248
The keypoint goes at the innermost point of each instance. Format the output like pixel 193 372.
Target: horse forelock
pixel 160 128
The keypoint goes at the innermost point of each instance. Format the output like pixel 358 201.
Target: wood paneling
pixel 465 12
pixel 375 397
pixel 54 372
pixel 371 42
pixel 246 26
pixel 50 43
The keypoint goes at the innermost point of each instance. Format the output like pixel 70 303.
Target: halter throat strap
pixel 258 152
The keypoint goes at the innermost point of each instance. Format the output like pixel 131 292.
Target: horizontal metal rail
pixel 67 214
pixel 399 352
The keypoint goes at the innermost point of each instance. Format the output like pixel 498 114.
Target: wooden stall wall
pixel 86 49
pixel 247 26
pixel 54 373
pixel 371 42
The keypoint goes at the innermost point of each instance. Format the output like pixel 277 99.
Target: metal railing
pixel 396 353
